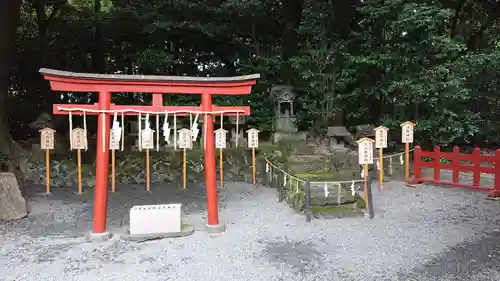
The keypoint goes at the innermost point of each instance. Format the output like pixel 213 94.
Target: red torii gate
pixel 105 84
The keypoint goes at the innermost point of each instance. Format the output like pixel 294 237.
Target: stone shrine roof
pixel 365 130
pixel 337 131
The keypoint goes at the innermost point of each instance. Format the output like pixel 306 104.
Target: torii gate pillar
pixel 105 85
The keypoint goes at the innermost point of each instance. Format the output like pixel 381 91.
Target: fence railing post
pixel 455 163
pixel 308 200
pixel 495 192
pixel 476 167
pixel 437 162
pixel 417 169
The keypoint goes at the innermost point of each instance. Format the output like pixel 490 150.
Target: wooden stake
pixel 221 168
pixel 254 175
pixel 47 171
pixel 148 179
pixel 407 161
pixel 381 166
pixel 365 189
pixel 184 168
pixel 79 156
pixel 113 172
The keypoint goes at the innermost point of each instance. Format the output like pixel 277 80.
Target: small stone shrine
pixel 338 136
pixel 43 121
pixel 284 116
pixel 365 131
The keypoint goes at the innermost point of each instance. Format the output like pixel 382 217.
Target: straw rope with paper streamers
pixel 401 161
pixel 147 113
pixel 270 166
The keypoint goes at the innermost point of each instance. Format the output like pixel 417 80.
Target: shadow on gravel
pixel 64 213
pixel 468 261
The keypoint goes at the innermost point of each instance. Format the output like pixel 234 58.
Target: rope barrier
pixel 289 176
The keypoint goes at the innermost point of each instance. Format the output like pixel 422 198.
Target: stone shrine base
pixel 297 136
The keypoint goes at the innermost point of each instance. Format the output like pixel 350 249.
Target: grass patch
pixel 317 175
pixel 331 209
pixel 346 175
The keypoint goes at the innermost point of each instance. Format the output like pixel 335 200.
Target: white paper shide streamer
pixel 401 159
pixel 284 180
pixel 353 189
pixel 378 164
pixel 116 130
pixel 166 129
pixel 140 131
pixel 339 192
pixel 363 172
pixel 86 144
pixel 157 132
pixel 390 165
pixel 70 116
pixel 194 128
pixel 325 188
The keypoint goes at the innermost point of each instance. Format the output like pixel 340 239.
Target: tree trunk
pixel 9 17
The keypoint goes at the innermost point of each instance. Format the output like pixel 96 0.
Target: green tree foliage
pixel 435 62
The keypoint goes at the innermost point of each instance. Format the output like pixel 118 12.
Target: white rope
pixel 339 191
pixel 61 108
pixel 237 128
pixel 140 131
pixel 85 130
pixel 175 131
pixel 70 116
pixel 390 166
pixel 157 132
pixel 123 131
pixel 291 177
pixel 395 154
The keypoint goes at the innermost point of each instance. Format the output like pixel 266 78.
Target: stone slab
pixel 185 231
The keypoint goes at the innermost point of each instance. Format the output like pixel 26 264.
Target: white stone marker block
pixel 155 219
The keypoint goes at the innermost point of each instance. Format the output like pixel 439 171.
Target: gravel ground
pixel 423 233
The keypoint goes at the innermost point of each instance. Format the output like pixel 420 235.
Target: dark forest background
pixel 379 62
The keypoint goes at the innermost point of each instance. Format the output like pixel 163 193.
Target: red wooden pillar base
pixel 102 162
pixel 210 170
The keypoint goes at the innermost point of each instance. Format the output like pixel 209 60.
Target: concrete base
pixel 99 237
pixel 216 229
pixel 185 231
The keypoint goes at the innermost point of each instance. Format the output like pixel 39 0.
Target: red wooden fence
pixel 455 165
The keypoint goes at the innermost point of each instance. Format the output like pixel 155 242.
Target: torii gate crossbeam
pixel 106 84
